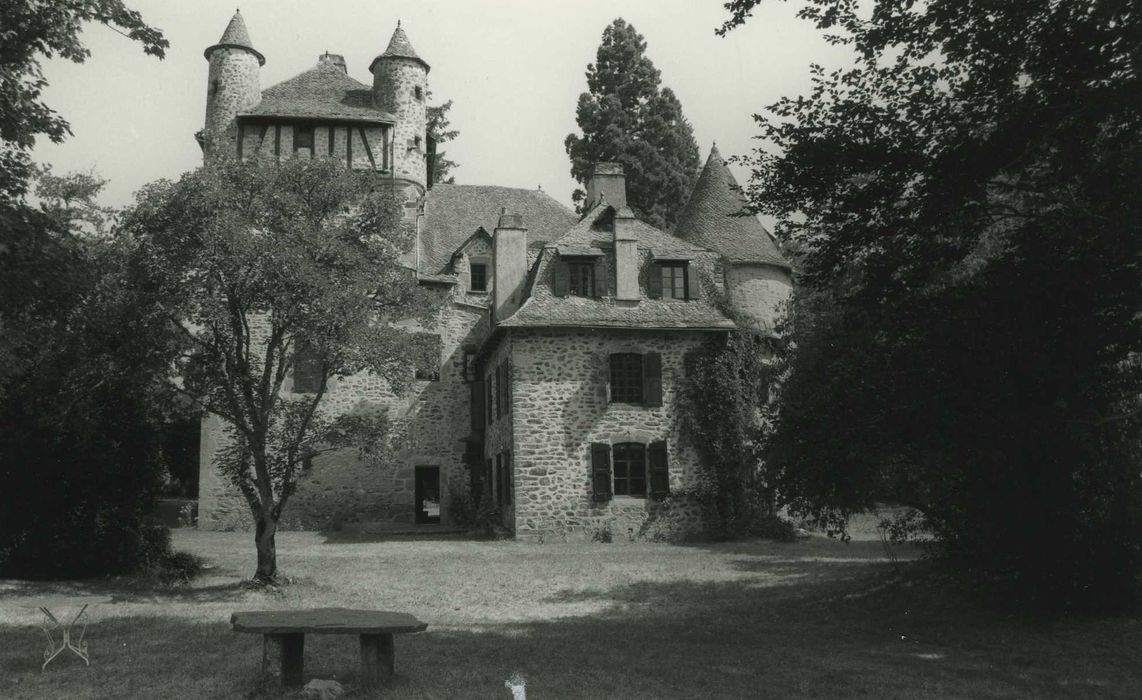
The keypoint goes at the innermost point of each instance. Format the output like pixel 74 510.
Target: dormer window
pixel 478 273
pixel 581 279
pixel 673 280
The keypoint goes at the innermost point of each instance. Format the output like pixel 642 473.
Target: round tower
pixel 400 87
pixel 232 86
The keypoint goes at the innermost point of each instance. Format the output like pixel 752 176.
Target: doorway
pixel 427 494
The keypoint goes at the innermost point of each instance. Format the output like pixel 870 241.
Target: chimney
pixel 626 256
pixel 607 182
pixel 509 264
pixel 333 59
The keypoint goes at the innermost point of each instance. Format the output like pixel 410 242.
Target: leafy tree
pixel 966 337
pixel 34 30
pixel 439 130
pixel 269 271
pixel 79 412
pixel 627 118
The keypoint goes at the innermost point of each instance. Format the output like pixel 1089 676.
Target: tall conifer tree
pixel 626 117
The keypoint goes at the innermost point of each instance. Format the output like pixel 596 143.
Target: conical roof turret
pixel 236 37
pixel 717 217
pixel 400 47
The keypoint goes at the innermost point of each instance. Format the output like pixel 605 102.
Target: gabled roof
pixel 542 309
pixel 236 37
pixel 452 213
pixel 400 47
pixel 717 217
pixel 322 92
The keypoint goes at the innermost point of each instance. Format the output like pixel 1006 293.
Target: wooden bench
pixel 283 633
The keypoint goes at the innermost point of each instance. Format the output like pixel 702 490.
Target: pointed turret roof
pixel 236 37
pixel 717 217
pixel 400 47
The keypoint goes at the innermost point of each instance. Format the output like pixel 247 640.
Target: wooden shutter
pixel 560 278
pixel 508 479
pixel 500 479
pixel 659 469
pixel 477 405
pixel 693 282
pixel 602 286
pixel 488 398
pixel 507 386
pixel 499 390
pixel 652 379
pixel 600 471
pixel 654 281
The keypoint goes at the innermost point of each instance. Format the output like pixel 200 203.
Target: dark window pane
pixel 626 378
pixel 630 469
pixel 582 278
pixel 306 370
pixel 303 138
pixel 479 272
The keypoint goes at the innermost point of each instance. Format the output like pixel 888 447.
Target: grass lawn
pixel 816 618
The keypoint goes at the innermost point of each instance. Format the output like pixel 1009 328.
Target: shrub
pixel 602 534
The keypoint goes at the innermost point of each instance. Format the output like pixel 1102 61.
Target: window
pixel 626 378
pixel 469 365
pixel 503 389
pixel 673 280
pixel 303 139
pixel 418 92
pixel 489 384
pixel 479 277
pixel 629 469
pixel 581 279
pixel 307 370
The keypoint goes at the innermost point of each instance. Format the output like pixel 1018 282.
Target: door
pixel 428 494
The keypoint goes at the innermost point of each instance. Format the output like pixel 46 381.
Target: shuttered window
pixel 579 276
pixel 630 469
pixel 636 378
pixel 477 406
pixel 673 280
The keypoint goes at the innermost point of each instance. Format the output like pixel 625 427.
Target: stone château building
pixel 561 337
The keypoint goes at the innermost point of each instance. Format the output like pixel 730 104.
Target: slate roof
pixel 236 36
pixel 322 92
pixel 542 309
pixel 715 217
pixel 452 213
pixel 400 47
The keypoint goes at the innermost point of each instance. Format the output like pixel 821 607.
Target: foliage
pixel 29 32
pixel 966 335
pixel 439 130
pixel 602 534
pixel 266 269
pixel 726 390
pixel 79 414
pixel 626 118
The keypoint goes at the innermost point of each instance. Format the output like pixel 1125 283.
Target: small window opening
pixel 479 275
pixel 303 139
pixel 626 378
pixel 674 280
pixel 581 278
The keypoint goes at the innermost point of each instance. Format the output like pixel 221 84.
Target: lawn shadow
pixel 796 632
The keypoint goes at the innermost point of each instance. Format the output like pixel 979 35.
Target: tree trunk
pixel 267 528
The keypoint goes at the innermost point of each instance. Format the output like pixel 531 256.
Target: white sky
pixel 514 69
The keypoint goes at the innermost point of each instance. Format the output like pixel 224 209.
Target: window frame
pixel 305 375
pixel 628 384
pixel 676 273
pixel 629 455
pixel 586 270
pixel 484 268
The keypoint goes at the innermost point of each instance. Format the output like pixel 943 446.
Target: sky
pixel 513 68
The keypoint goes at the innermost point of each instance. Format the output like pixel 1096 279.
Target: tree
pixel 269 271
pixel 966 337
pixel 33 30
pixel 628 119
pixel 440 132
pixel 79 411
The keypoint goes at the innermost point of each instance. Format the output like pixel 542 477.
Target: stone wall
pixel 395 84
pixel 429 424
pixel 561 406
pixel 759 291
pixel 232 86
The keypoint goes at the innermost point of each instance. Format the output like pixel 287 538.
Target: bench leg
pixel 376 659
pixel 282 656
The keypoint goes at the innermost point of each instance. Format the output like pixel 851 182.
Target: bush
pixel 602 534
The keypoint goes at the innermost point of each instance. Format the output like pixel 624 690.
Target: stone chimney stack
pixel 626 256
pixel 333 59
pixel 609 183
pixel 509 264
